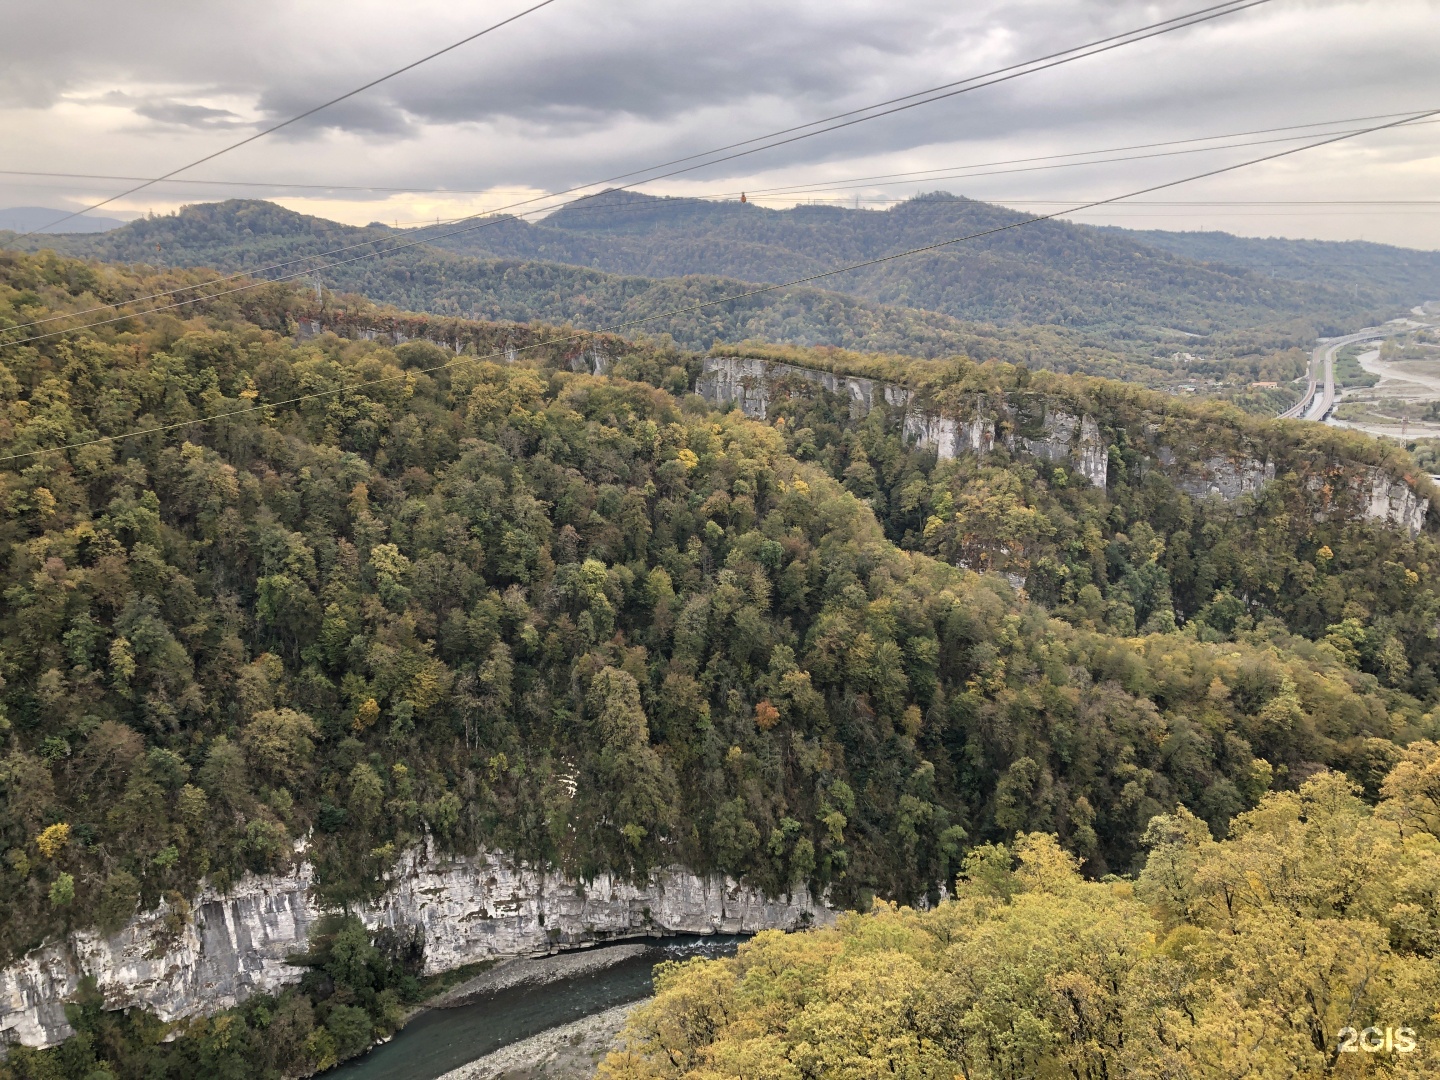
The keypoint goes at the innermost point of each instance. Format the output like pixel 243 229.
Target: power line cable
pixel 590 206
pixel 275 184
pixel 1246 202
pixel 1002 75
pixel 296 119
pixel 1179 22
pixel 691 308
pixel 924 176
pixel 848 185
pixel 1136 146
pixel 976 82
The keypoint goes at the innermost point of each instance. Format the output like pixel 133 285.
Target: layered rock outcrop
pixel 1395 502
pixel 1365 492
pixel 753 383
pixel 1219 476
pixel 1062 437
pixel 233 945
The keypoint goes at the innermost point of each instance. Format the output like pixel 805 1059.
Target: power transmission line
pixel 278 185
pixel 1136 146
pixel 975 82
pixel 847 185
pixel 295 119
pixel 590 205
pixel 273 185
pixel 1041 63
pixel 1246 202
pixel 691 308
pixel 923 176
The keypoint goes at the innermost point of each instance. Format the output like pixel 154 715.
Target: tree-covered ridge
pixel 1304 945
pixel 243 236
pixel 1071 299
pixel 1049 272
pixel 1141 554
pixel 1348 263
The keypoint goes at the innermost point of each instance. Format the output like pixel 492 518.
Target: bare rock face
pixel 1226 478
pixel 229 946
pixel 948 437
pixel 1340 490
pixel 1366 493
pixel 743 380
pixel 1073 439
pixel 1394 502
pixel 752 383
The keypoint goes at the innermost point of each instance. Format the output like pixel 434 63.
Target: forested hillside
pixel 1141 554
pixel 1110 281
pixel 1068 298
pixel 592 622
pixel 251 236
pixel 1407 276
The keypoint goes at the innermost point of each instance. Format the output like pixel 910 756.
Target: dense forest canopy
pixel 593 622
pixel 1304 945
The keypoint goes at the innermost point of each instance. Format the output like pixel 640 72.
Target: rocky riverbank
pixel 568 1052
pixel 536 972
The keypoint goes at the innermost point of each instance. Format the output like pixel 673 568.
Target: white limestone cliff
pixel 1395 502
pixel 235 944
pixel 751 382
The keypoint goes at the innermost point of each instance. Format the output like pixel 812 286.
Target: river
pixel 439 1040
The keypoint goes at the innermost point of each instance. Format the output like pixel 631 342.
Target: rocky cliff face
pixel 233 945
pixel 1061 437
pixel 1395 502
pixel 1073 439
pixel 752 383
pixel 1218 475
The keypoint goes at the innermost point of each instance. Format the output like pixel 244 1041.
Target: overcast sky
pixel 585 89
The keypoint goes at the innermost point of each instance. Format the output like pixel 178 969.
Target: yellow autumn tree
pixel 1269 954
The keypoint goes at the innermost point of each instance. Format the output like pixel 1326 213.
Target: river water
pixel 439 1040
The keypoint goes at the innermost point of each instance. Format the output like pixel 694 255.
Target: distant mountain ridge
pixel 1051 294
pixel 23 219
pixel 1346 264
pixel 248 236
pixel 1051 272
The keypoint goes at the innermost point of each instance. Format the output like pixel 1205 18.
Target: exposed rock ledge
pixel 470 909
pixel 753 383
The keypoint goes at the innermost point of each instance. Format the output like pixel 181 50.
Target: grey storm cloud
pixel 571 63
pixel 183 115
pixel 581 89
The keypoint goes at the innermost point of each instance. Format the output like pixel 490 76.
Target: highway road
pixel 1303 404
pixel 1319 397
